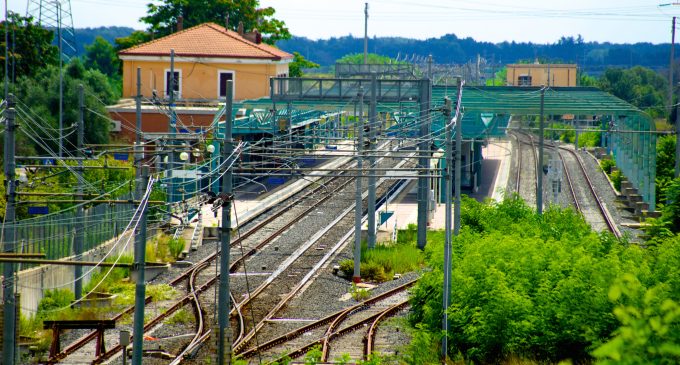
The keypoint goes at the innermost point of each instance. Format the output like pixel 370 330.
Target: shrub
pixel 359 294
pixel 524 285
pixel 347 268
pixel 176 246
pixel 607 165
pixel 371 271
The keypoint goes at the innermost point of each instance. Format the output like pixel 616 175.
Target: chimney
pixel 258 36
pixel 240 28
pixel 226 22
pixel 180 23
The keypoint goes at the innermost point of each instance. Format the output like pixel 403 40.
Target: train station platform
pixel 495 174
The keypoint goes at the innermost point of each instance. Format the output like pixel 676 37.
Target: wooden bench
pixel 58 326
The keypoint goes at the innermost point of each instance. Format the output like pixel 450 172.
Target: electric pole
pixel 61 84
pixel 9 308
pixel 79 226
pixel 139 267
pixel 539 168
pixel 670 67
pixel 173 127
pixel 224 330
pixel 366 34
pixel 372 125
pixel 447 185
pixel 677 140
pixel 358 209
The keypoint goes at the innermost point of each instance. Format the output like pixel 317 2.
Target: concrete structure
pixel 537 74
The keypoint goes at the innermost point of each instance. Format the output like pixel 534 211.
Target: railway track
pixel 589 197
pixel 582 191
pixel 523 174
pixel 275 292
pixel 367 313
pixel 293 202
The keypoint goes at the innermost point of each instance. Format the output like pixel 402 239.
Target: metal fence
pixel 54 235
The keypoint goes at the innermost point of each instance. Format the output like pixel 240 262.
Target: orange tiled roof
pixel 207 40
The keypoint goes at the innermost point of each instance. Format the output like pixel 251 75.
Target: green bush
pixel 54 300
pixel 607 165
pixel 176 246
pixel 347 268
pixel 371 271
pixel 524 285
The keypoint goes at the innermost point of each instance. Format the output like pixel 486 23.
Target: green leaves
pixel 548 288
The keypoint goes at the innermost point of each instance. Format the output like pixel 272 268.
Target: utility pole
pixel 140 259
pixel 423 162
pixel 372 126
pixel 358 208
pixel 539 168
pixel 366 34
pixel 138 135
pixel 6 52
pixel 677 139
pixel 61 83
pixel 224 330
pixel 79 226
pixel 459 162
pixel 670 66
pixel 9 308
pixel 173 128
pixel 447 185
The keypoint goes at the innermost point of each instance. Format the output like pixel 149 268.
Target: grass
pixel 182 316
pixel 382 262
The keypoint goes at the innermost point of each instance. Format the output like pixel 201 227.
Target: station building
pixel 539 74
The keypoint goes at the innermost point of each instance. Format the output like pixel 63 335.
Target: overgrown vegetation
pixel 547 288
pixel 386 259
pixel 164 248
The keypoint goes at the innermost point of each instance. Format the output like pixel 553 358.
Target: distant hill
pixel 592 57
pixel 85 36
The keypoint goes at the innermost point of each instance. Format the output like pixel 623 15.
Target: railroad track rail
pixel 526 191
pixel 266 300
pixel 328 328
pixel 583 201
pixel 296 200
pixel 594 197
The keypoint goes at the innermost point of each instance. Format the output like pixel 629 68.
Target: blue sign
pixel 276 180
pixel 384 216
pixel 38 210
pixel 332 148
pixel 121 156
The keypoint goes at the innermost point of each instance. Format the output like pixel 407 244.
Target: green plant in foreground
pixel 176 246
pixel 180 317
pixel 358 293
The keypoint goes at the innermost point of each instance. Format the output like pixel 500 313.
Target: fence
pixel 53 235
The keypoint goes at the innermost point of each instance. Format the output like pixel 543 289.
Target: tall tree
pixel 30 46
pixel 100 55
pixel 299 63
pixel 162 17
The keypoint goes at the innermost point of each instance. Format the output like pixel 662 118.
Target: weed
pixel 176 246
pixel 359 294
pixel 182 316
pixel 313 356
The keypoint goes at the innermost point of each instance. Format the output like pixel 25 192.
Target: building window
pixel 223 77
pixel 524 80
pixel 177 83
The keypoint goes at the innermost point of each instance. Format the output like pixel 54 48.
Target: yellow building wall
pixel 199 81
pixel 559 76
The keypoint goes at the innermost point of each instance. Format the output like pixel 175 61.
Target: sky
pixel 538 21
